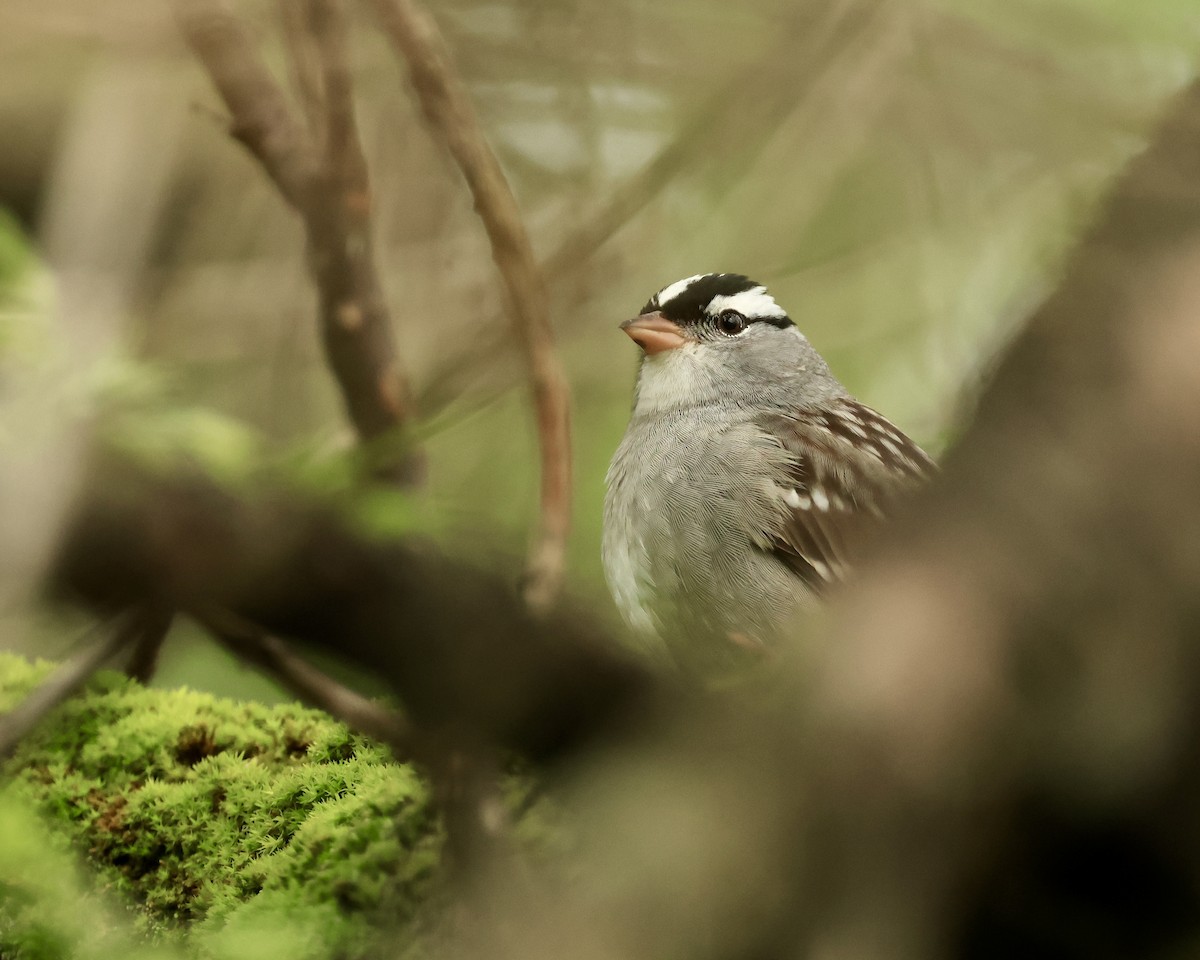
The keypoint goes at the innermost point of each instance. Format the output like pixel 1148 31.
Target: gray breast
pixel 693 498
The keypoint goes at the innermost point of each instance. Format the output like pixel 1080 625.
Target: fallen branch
pixel 449 112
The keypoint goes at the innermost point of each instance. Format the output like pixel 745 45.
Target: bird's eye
pixel 731 323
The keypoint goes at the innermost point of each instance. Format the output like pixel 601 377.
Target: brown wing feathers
pixel 848 464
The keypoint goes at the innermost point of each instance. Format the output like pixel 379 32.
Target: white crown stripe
pixel 670 292
pixel 755 302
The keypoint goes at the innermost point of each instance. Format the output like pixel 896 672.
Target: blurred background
pixel 905 175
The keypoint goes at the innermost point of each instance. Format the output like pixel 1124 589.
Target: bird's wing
pixel 848 464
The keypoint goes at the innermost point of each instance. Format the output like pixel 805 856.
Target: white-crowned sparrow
pixel 743 475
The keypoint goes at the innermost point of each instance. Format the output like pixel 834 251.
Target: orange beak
pixel 654 333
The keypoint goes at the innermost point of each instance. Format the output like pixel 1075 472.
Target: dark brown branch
pixel 467 661
pixel 449 112
pixel 261 118
pixel 143 659
pixel 331 193
pixel 68 679
pixel 301 678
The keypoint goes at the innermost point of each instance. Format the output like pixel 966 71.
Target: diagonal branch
pixel 276 659
pixel 68 679
pixel 331 193
pixel 261 119
pixel 450 114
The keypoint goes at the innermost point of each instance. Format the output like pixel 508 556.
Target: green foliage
pixel 235 825
pixel 15 258
pixel 18 276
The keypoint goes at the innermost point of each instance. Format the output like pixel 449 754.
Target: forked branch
pixel 327 185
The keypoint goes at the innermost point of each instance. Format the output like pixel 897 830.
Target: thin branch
pixel 343 153
pixel 143 659
pixel 448 109
pixel 743 112
pixel 68 679
pixel 275 658
pixel 332 196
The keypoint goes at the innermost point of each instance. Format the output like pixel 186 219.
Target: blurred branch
pixel 143 659
pixel 449 112
pixel 303 68
pixel 261 119
pixel 1053 578
pixel 69 678
pixel 301 678
pixel 331 193
pixel 470 665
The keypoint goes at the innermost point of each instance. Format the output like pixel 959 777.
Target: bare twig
pixel 448 109
pixel 275 658
pixel 744 112
pixel 330 192
pixel 67 680
pixel 261 120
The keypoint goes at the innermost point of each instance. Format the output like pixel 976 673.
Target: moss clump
pixel 224 820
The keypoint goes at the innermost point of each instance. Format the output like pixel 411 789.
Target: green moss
pixel 48 909
pixel 230 824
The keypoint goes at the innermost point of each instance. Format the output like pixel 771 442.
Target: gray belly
pixel 688 519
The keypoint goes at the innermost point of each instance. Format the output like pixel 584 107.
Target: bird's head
pixel 721 337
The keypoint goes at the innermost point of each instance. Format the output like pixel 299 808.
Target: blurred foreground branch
pixel 450 114
pixel 327 184
pixel 309 684
pixel 1020 669
pixel 122 631
pixel 470 666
